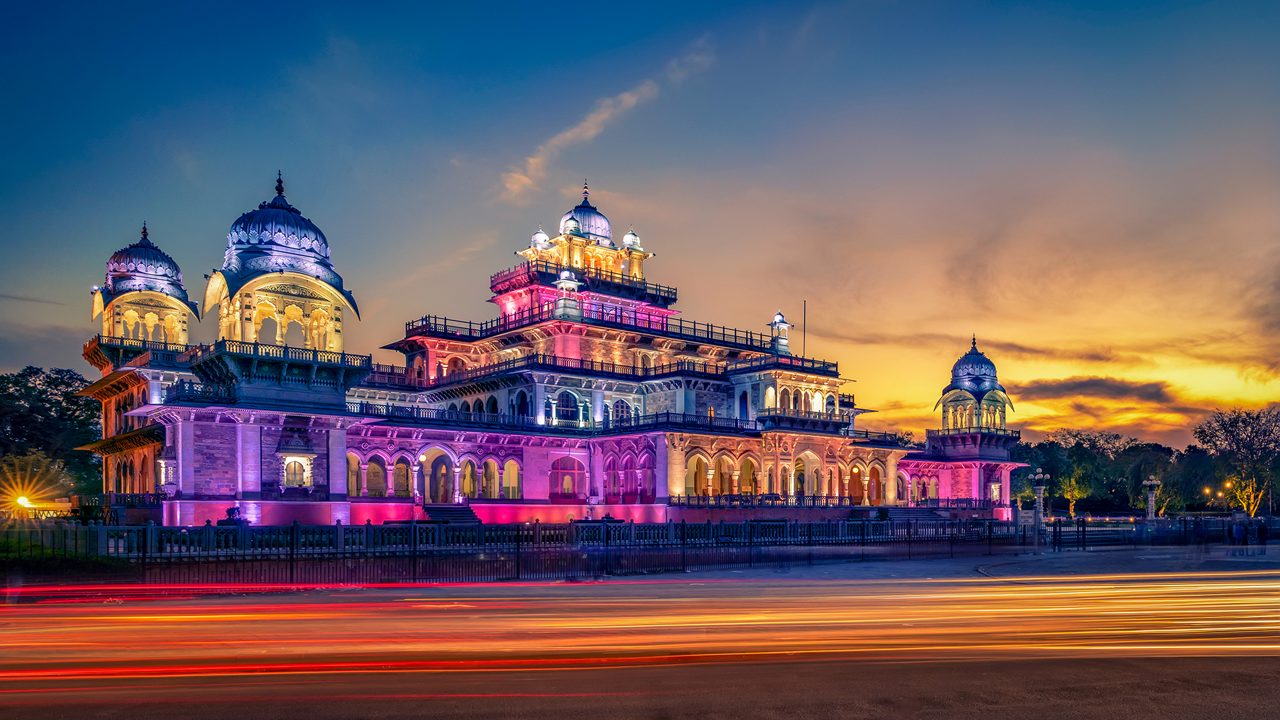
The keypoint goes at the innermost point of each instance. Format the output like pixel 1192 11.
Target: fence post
pixel 413 549
pixel 294 533
pixel 990 529
pixel 751 551
pixel 519 537
pixel 338 537
pixel 910 523
pixel 684 541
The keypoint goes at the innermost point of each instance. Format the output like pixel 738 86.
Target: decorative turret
pixel 974 398
pixel 276 274
pixel 974 406
pixel 142 297
pixel 781 330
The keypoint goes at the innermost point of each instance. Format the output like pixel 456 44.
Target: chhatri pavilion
pixel 589 395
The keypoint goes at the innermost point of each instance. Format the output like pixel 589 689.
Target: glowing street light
pixel 25 502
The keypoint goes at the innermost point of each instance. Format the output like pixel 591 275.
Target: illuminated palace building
pixel 588 395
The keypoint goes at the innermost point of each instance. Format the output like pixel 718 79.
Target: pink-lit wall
pixel 515 512
pixel 258 512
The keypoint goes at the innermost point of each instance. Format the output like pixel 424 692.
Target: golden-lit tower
pixel 975 399
pixel 277 285
pixel 586 243
pixel 142 297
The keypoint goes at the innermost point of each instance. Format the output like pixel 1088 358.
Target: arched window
pixel 567 407
pixel 489 479
pixel 742 405
pixel 295 474
pixel 511 480
pixel 470 483
pixel 353 475
pixel 491 406
pixel 522 404
pixel 568 480
pixel 455 364
pixel 400 479
pixel 376 478
pixel 784 399
pixel 621 412
pixel 441 485
pixel 465 407
pixel 831 404
pixel 770 397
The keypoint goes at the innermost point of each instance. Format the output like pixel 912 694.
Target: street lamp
pixel 1039 479
pixel 1152 484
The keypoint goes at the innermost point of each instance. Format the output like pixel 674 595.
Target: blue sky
pixel 1090 186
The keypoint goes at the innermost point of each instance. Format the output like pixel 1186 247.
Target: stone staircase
pixel 453 514
pixel 899 513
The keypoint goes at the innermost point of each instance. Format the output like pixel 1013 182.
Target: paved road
pixel 1058 636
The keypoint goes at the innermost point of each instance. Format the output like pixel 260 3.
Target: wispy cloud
pixel 1096 387
pixel 26 298
pixel 521 181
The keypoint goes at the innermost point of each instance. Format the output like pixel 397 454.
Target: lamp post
pixel 1151 484
pixel 1039 479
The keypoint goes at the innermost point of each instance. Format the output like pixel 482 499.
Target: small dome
pixel 539 238
pixel 589 221
pixel 778 319
pixel 974 373
pixel 631 239
pixel 567 275
pixel 974 364
pixel 143 267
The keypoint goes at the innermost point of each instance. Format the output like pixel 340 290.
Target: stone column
pixel 891 480
pixel 456 490
pixel 597 406
pixel 540 403
pixel 337 442
pixel 186 439
pixel 735 476
pixel 248 461
pixel 417 482
pixel 675 469
pixel 362 482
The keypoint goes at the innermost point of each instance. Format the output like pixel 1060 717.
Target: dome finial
pixel 974 344
pixel 144 240
pixel 280 183
pixel 586 190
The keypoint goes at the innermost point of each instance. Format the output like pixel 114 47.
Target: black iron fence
pixel 488 553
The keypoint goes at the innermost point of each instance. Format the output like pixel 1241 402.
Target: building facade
pixel 587 395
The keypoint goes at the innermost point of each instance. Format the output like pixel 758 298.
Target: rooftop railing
pixel 654 421
pixel 1002 432
pixel 281 352
pixel 785 362
pixel 139 343
pixel 593 279
pixel 593 313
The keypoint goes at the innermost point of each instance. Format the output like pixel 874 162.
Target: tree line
pixel 1233 465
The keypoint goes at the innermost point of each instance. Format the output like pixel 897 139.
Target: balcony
pixel 436 417
pixel 265 351
pixel 107 352
pixel 186 392
pixel 601 281
pixel 827 423
pixel 785 362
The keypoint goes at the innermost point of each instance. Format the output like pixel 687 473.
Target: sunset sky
pixel 1094 192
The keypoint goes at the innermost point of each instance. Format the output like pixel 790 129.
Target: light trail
pixel 56 640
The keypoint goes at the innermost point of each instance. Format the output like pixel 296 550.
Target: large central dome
pixel 276 238
pixel 591 222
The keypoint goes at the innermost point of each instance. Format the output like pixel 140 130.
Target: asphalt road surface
pixel 1159 634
